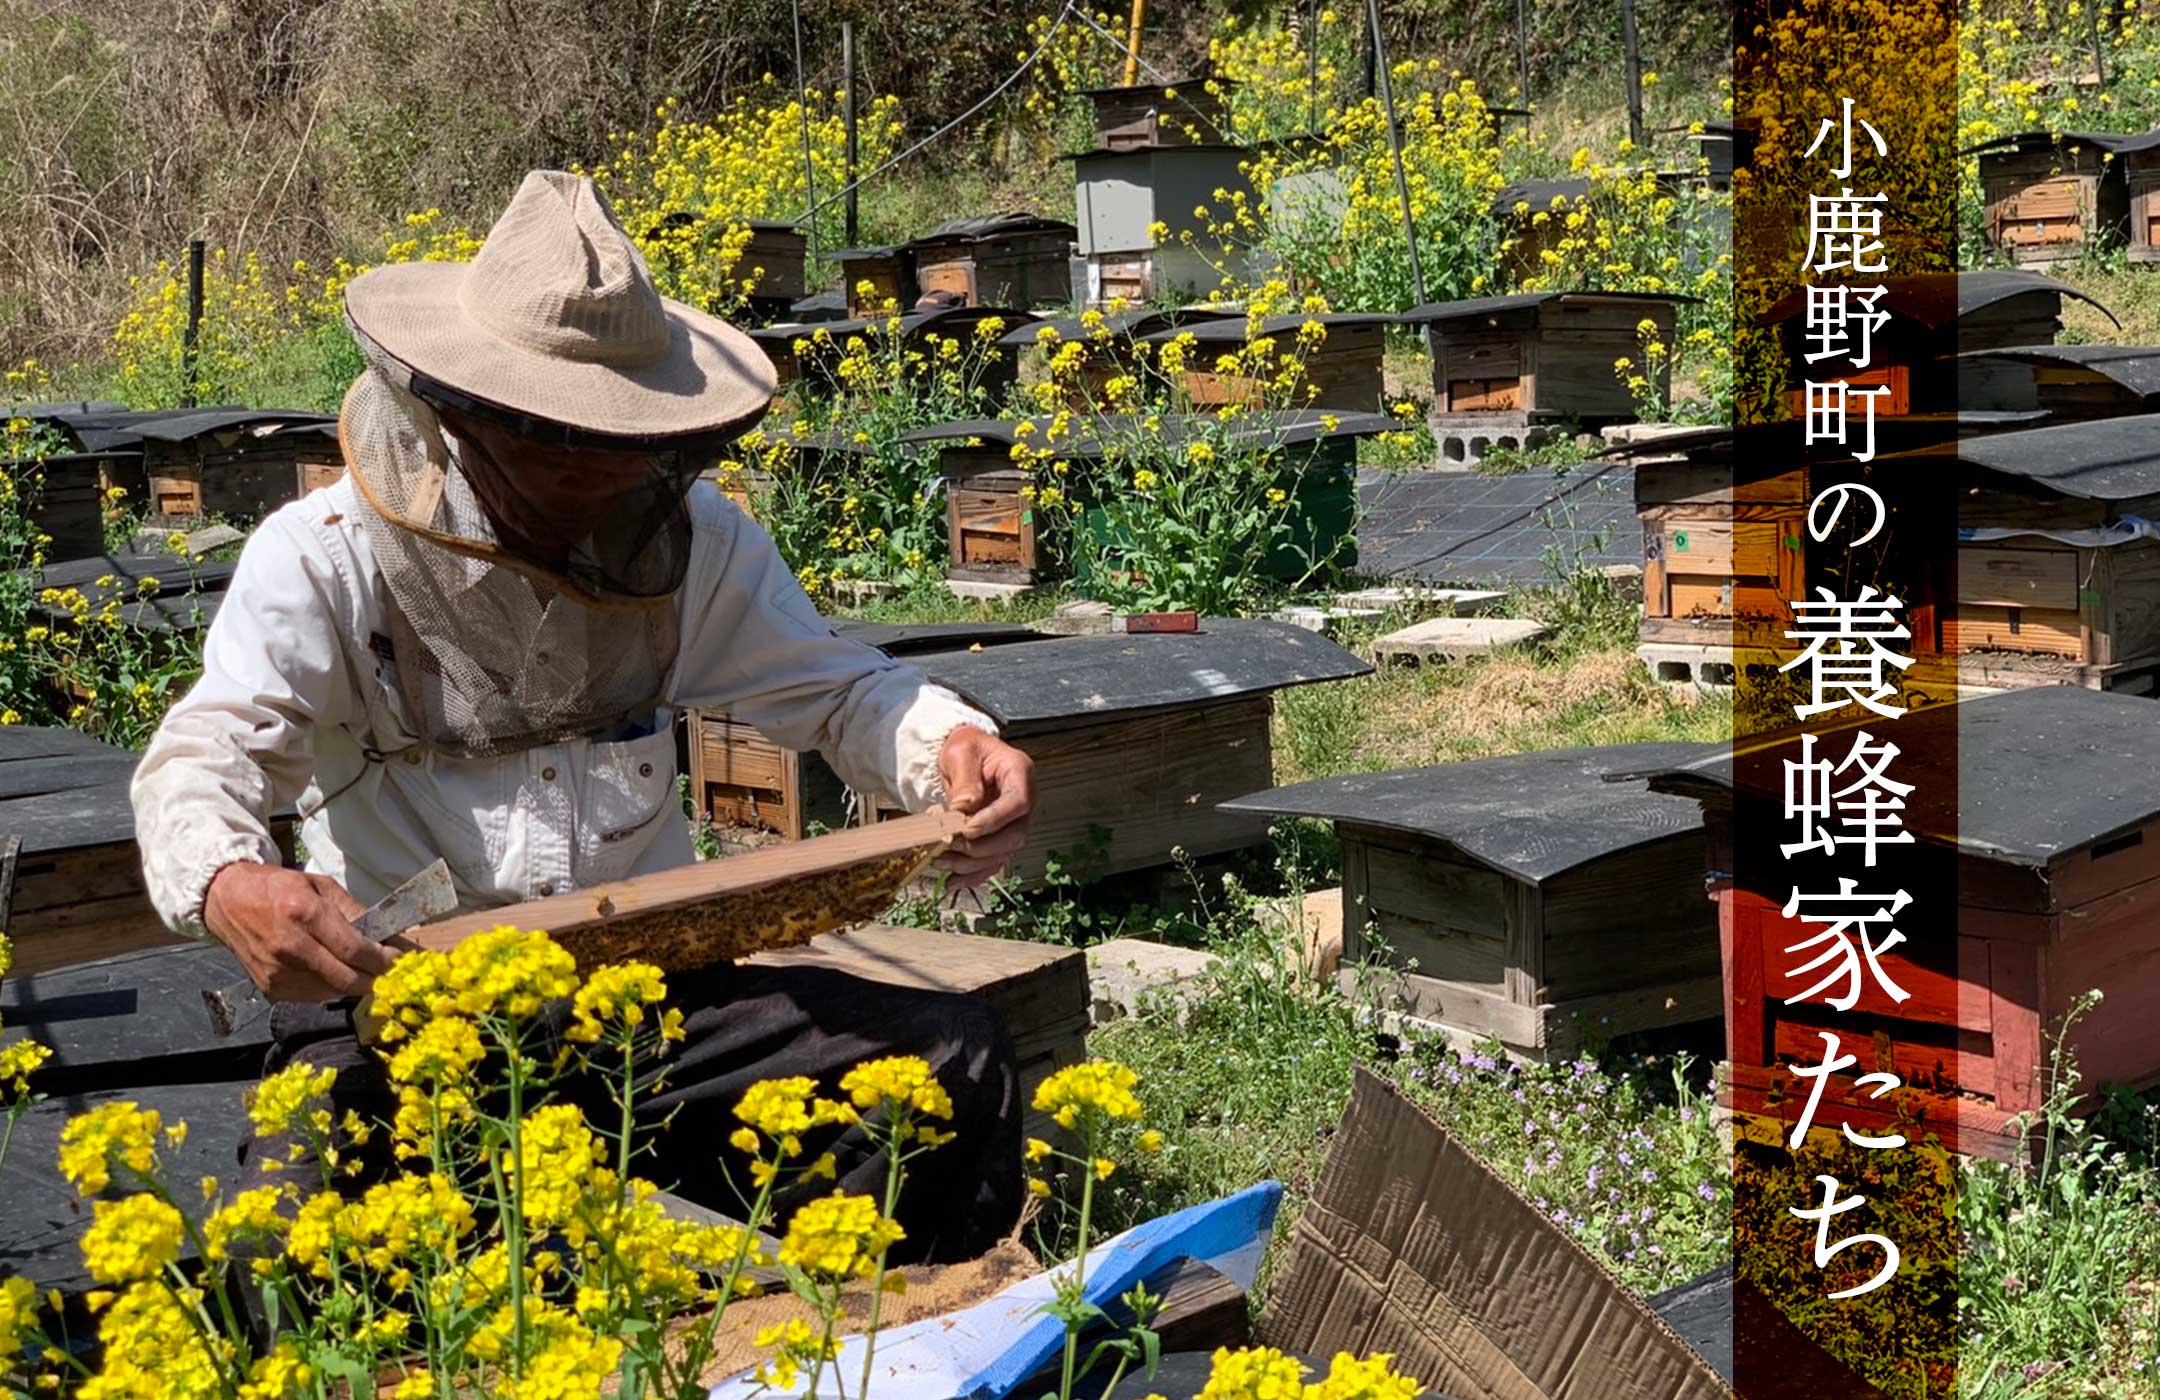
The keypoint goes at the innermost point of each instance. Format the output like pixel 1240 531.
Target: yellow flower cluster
pixel 18 1312
pixel 837 1237
pixel 131 1239
pixel 557 1154
pixel 150 1344
pixel 1263 1373
pixel 116 1134
pixel 1094 1089
pixel 290 1099
pixel 618 995
pixel 504 972
pixel 902 1084
pixel 688 189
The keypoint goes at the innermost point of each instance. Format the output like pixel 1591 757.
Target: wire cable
pixel 985 100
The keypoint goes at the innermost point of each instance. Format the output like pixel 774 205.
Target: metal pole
pixel 1402 183
pixel 192 335
pixel 802 101
pixel 1312 67
pixel 1372 51
pixel 847 82
pixel 1634 72
pixel 2092 28
pixel 1522 56
pixel 1132 44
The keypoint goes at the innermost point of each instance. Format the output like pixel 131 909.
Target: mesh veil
pixel 495 652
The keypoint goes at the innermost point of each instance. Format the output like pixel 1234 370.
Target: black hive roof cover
pixel 922 638
pixel 1532 816
pixel 1465 528
pixel 2105 459
pixel 1082 677
pixel 911 322
pixel 1233 328
pixel 1539 194
pixel 2040 774
pixel 1522 301
pixel 2135 367
pixel 1100 434
pixel 2116 141
pixel 1124 325
pixel 1935 299
pixel 977 226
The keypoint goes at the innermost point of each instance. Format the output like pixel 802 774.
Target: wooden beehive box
pixel 997 260
pixel 2058 578
pixel 239 463
pixel 2044 800
pixel 1341 371
pixel 1540 357
pixel 1110 344
pixel 741 780
pixel 1122 196
pixel 993 534
pixel 1138 739
pixel 1933 318
pixel 1725 147
pixel 782 250
pixel 69 495
pixel 888 268
pixel 1181 113
pixel 78 887
pixel 2055 195
pixel 2141 178
pixel 1524 899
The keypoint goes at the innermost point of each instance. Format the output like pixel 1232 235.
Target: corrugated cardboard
pixel 1411 1245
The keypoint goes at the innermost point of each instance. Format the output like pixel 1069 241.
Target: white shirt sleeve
pixel 239 744
pixel 753 645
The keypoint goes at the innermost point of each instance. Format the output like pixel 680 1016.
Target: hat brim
pixel 711 378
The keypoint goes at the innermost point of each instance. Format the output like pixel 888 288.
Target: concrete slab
pixel 984 592
pixel 1454 638
pixel 1464 602
pixel 1325 620
pixel 1126 973
pixel 1082 617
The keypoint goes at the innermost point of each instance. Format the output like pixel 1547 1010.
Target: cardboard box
pixel 1411 1245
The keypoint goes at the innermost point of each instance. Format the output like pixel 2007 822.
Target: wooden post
pixel 1522 57
pixel 2092 30
pixel 809 171
pixel 847 82
pixel 1132 44
pixel 192 335
pixel 1634 72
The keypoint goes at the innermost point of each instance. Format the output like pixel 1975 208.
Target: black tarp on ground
pixel 1533 815
pixel 1064 678
pixel 1701 1311
pixel 1465 528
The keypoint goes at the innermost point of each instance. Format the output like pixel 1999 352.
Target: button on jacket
pixel 299 699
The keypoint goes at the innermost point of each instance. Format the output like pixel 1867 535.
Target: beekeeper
pixel 472 646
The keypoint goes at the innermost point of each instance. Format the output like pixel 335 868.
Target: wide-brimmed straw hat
pixel 557 318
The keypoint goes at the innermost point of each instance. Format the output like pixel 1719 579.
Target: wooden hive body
pixel 1613 948
pixel 890 273
pixel 1524 899
pixel 1156 114
pixel 1344 372
pixel 990 530
pixel 1026 268
pixel 1136 740
pixel 2063 905
pixel 1545 361
pixel 1721 559
pixel 77 892
pixel 237 474
pixel 2047 204
pixel 783 251
pixel 2079 608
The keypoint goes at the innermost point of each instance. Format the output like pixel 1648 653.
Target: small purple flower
pixel 1591 1181
pixel 1649 1176
pixel 1706 1191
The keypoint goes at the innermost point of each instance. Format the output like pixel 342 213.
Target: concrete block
pixel 1454 638
pixel 1124 973
pixel 1082 617
pixel 1325 620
